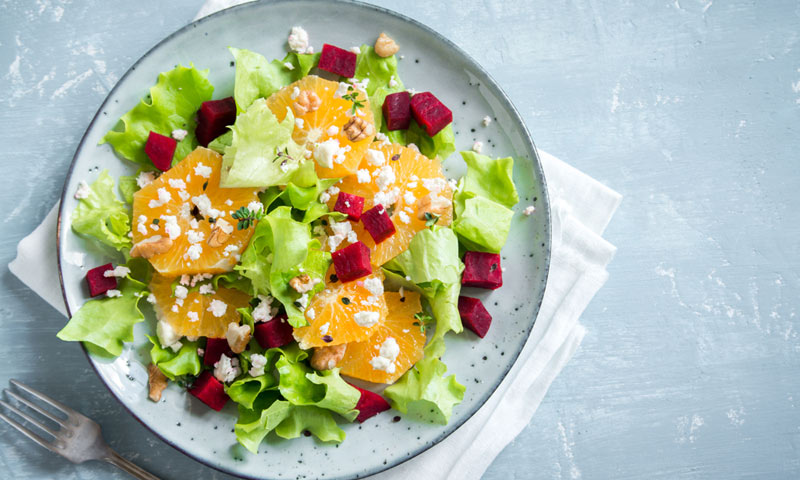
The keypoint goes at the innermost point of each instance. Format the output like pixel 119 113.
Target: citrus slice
pixel 343 313
pixel 398 338
pixel 197 314
pixel 181 204
pixel 327 121
pixel 415 180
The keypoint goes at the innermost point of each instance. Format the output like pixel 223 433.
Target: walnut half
pixel 307 101
pixel 358 129
pixel 220 234
pixel 326 358
pixel 157 382
pixel 303 283
pixel 150 247
pixel 385 46
pixel 238 336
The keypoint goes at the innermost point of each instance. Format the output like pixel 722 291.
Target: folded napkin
pixel 581 208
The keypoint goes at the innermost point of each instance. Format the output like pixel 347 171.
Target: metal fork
pixel 77 438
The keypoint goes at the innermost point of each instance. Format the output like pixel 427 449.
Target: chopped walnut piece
pixel 303 283
pixel 325 358
pixel 306 102
pixel 157 382
pixel 150 247
pixel 238 336
pixel 434 204
pixel 385 46
pixel 358 129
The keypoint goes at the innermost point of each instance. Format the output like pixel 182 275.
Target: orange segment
pixel 361 358
pixel 325 123
pixel 193 317
pixel 170 200
pixel 416 177
pixel 343 313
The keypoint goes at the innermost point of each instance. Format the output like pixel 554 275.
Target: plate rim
pixel 505 102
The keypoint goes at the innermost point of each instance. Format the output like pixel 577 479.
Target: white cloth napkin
pixel 581 209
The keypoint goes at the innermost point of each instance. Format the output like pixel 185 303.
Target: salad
pixel 299 244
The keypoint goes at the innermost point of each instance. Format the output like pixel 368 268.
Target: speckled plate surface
pixel 430 63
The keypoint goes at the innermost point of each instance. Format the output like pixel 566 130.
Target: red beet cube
pixel 377 222
pixel 482 270
pixel 337 60
pixel 274 333
pixel 98 282
pixel 430 113
pixel 215 348
pixel 350 204
pixel 160 149
pixel 213 118
pixel 474 315
pixel 352 262
pixel 370 404
pixel 209 390
pixel 397 111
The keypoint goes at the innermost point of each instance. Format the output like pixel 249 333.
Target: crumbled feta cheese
pixel 298 40
pixel 83 190
pixel 409 198
pixel 145 178
pixel 487 120
pixel 217 308
pixel 262 312
pixel 324 197
pixel 229 202
pixel 392 82
pixel 366 319
pixel 295 93
pixel 352 236
pixel 529 210
pixel 151 299
pixel 185 279
pixel 381 137
pixel 385 178
pixel 386 356
pixel 175 308
pixel 359 84
pixel 154 226
pixel 194 236
pixel 388 198
pixel 113 293
pixel 194 223
pixel 324 152
pixel 323 329
pixel 230 249
pixel 303 301
pixel 202 170
pixel 206 289
pixel 477 147
pixel 193 252
pixel 177 183
pixel 166 334
pixel 75 258
pixel 341 90
pixel 411 91
pixel 120 271
pixel 171 226
pixel 163 197
pixel 356 50
pixel 332 130
pixel 257 364
pixel 288 65
pixel 193 317
pixel 311 314
pixel 179 134
pixel 404 217
pixel 299 122
pixel 203 204
pixel 363 176
pixel 226 369
pixel 375 157
pixel 374 285
pixel 223 225
pixel 181 291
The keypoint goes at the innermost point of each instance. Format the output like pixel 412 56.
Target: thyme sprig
pixel 246 217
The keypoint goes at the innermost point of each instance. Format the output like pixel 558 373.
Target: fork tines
pixel 38 422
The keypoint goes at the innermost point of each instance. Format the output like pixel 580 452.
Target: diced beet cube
pixel 350 204
pixel 274 333
pixel 160 149
pixel 474 315
pixel 337 60
pixel 98 282
pixel 370 404
pixel 352 262
pixel 430 113
pixel 210 391
pixel 213 118
pixel 482 270
pixel 397 111
pixel 215 348
pixel 378 223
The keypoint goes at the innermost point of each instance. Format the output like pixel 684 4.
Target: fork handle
pixel 131 468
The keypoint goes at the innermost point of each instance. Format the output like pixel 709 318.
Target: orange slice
pixel 416 178
pixel 324 123
pixel 365 361
pixel 169 204
pixel 343 313
pixel 195 316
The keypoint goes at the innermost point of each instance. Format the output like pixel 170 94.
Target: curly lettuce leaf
pixel 301 385
pixel 171 104
pixel 102 216
pixel 490 178
pixel 262 152
pixel 424 391
pixel 256 77
pixel 316 420
pixel 107 323
pixel 127 187
pixel 185 361
pixel 220 143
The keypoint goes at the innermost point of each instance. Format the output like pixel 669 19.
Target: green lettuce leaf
pixel 127 187
pixel 424 391
pixel 245 390
pixel 380 72
pixel 107 323
pixel 316 420
pixel 441 145
pixel 171 104
pixel 185 361
pixel 256 77
pixel 301 385
pixel 220 143
pixel 255 423
pixel 102 215
pixel 262 152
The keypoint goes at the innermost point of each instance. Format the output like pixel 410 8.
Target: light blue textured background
pixel 689 108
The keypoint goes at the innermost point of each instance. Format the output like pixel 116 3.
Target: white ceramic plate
pixel 431 63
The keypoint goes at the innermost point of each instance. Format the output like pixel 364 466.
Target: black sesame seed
pixel 327 339
pixel 396 419
pixel 205 185
pixel 155 221
pixel 306 433
pixel 334 278
pixel 396 157
pixel 232 63
pixel 346 300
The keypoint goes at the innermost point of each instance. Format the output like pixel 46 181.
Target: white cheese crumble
pixel 179 134
pixel 385 178
pixel 145 178
pixel 193 317
pixel 323 329
pixel 288 65
pixel 366 319
pixel 409 198
pixel 181 291
pixel 120 271
pixel 404 217
pixel 166 334
pixel 341 90
pixel 299 122
pixel 229 202
pixel 193 236
pixel 151 299
pixel 202 170
pixel 363 176
pixel 83 190
pixel 262 312
pixel 392 82
pixel 311 314
pixel 298 40
pixel 226 369
pixel 487 120
pixel 230 249
pixel 375 157
pixel 206 289
pixel 295 93
pixel 325 152
pixel 388 198
pixel 332 130
pixel 257 364
pixel 374 285
pixel 203 204
pixel 193 252
pixel 529 210
pixel 477 147
pixel 434 185
pixel 356 50
pixel 218 308
pixel 386 356
pixel 113 293
pixel 163 197
pixel 171 226
pixel 177 183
